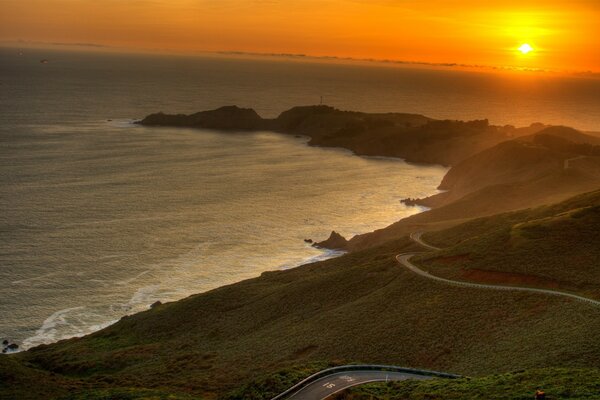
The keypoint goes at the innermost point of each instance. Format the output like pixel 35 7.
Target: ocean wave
pixel 49 330
pixel 326 255
pixel 121 123
pixel 65 324
pixel 35 278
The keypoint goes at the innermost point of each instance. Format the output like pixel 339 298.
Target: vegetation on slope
pixel 556 246
pixel 557 383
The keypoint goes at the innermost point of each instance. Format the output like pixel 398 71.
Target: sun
pixel 525 48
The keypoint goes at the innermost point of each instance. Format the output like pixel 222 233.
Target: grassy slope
pixel 558 383
pixel 550 246
pixel 361 307
pixel 488 201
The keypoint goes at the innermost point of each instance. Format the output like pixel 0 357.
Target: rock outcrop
pixel 155 304
pixel 334 242
pixel 8 347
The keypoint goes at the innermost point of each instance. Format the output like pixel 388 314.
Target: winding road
pixel 404 259
pixel 327 382
pixel 334 383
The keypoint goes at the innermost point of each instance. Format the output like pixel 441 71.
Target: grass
pixel 558 383
pixel 272 384
pixel 557 246
pixel 127 394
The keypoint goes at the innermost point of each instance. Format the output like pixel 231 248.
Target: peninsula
pixel 413 137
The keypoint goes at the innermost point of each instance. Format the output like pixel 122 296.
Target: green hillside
pixel 557 383
pixel 555 246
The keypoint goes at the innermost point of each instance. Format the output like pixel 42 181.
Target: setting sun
pixel 436 31
pixel 525 48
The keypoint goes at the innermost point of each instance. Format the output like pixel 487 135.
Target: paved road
pixel 330 384
pixel 416 237
pixel 404 259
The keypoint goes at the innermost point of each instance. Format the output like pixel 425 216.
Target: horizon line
pixel 451 65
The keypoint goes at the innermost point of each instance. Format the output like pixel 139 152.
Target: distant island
pixel 520 207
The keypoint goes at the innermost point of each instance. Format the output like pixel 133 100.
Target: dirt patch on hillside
pixel 448 260
pixel 507 278
pixel 305 351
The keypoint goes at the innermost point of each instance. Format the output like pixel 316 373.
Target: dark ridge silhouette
pixel 224 118
pixel 413 137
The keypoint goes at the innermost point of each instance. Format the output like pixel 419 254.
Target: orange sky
pixel 564 34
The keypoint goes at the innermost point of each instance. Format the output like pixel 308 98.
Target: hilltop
pixel 553 152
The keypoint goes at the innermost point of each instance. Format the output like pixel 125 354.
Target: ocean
pixel 101 217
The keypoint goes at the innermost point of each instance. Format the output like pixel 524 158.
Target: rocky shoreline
pixel 9 347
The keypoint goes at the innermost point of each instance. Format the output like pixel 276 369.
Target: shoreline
pixel 48 326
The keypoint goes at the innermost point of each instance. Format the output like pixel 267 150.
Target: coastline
pixel 50 325
pixel 237 327
pixel 326 252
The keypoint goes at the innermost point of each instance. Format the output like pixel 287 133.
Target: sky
pixel 565 35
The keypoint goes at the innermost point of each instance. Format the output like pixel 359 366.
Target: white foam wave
pixel 49 331
pixel 121 123
pixel 128 281
pixel 325 255
pixel 144 296
pixel 35 278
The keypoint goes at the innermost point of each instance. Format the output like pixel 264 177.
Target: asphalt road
pixel 330 384
pixel 404 259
